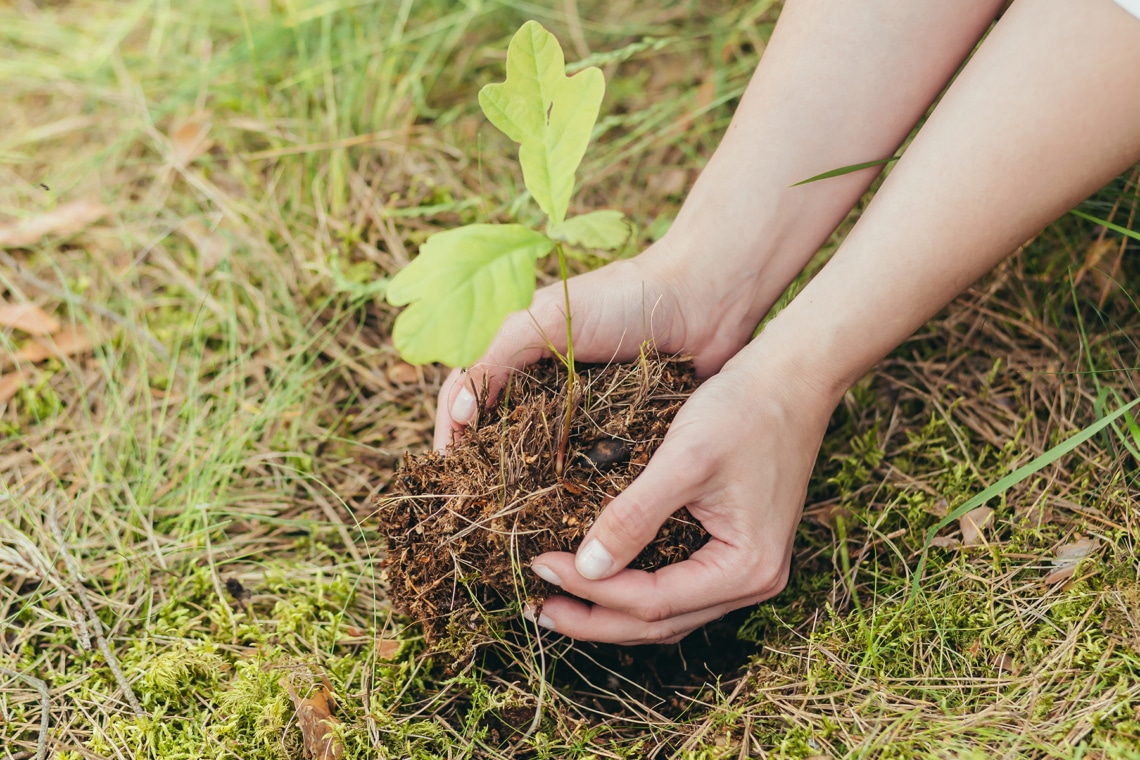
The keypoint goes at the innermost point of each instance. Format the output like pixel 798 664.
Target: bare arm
pixel 1046 112
pixel 840 83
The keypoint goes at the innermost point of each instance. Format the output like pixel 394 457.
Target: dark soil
pixel 462 529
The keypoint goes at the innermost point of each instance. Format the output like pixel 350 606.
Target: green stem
pixel 560 458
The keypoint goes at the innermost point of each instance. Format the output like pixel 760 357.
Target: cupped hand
pixel 739 455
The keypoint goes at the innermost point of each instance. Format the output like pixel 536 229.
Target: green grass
pixel 243 408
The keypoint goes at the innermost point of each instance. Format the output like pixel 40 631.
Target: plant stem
pixel 560 458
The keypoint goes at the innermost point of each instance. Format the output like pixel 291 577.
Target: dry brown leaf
pixel 10 384
pixel 945 542
pixel 939 508
pixel 314 716
pixel 1060 574
pixel 191 139
pixel 1036 515
pixel 973 523
pixel 1005 663
pixel 1067 557
pixel 402 373
pixel 1072 553
pixel 28 318
pixel 386 649
pixel 62 220
pixel 69 341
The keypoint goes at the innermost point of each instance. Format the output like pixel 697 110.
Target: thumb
pixel 522 340
pixel 633 518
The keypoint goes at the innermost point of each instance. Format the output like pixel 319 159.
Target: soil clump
pixel 463 528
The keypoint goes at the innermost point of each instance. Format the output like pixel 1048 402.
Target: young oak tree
pixel 467 280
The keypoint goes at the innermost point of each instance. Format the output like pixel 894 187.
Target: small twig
pixel 92 619
pixel 77 617
pixel 45 708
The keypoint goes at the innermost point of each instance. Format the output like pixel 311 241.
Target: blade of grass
pixel 847 170
pixel 1103 223
pixel 1015 477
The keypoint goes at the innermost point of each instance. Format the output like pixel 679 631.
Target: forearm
pixel 840 83
pixel 1046 112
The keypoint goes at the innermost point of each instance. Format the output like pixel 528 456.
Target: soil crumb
pixel 463 528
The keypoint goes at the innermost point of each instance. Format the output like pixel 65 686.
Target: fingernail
pixel 548 575
pixel 543 619
pixel 593 561
pixel 463 408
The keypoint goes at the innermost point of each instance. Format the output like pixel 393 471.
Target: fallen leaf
pixel 10 384
pixel 1067 557
pixel 973 523
pixel 1036 515
pixel 1004 662
pixel 28 318
pixel 402 373
pixel 314 716
pixel 940 508
pixel 69 341
pixel 1074 552
pixel 190 140
pixel 63 220
pixel 387 649
pixel 1059 575
pixel 945 542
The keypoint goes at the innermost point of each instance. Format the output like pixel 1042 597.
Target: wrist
pixel 745 231
pixel 787 360
pixel 728 265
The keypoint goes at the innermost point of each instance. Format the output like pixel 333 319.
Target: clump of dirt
pixel 463 528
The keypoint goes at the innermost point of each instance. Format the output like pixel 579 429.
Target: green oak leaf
pixel 461 287
pixel 549 114
pixel 598 229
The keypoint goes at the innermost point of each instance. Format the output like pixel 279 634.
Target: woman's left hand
pixel 739 455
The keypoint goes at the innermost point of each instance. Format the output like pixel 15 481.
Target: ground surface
pixel 215 193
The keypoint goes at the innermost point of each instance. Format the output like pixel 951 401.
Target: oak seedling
pixel 466 281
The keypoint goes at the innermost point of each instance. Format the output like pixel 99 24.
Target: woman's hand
pixel 738 455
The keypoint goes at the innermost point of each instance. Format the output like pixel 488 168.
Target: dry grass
pixel 184 505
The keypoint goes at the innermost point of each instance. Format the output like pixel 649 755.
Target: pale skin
pixel 1046 112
